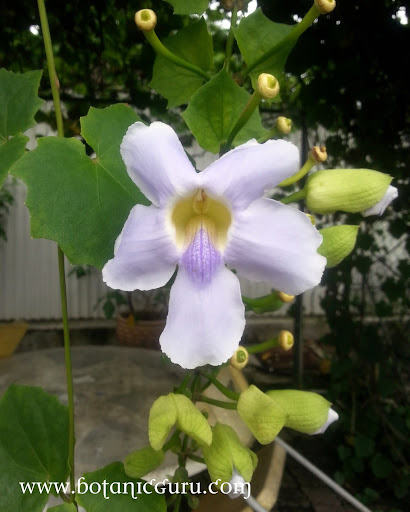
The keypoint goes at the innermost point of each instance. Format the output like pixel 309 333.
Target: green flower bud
pixel 284 124
pixel 178 410
pixel 325 6
pixel 263 416
pixel 347 190
pixel 139 463
pixel 338 242
pixel 268 86
pixel 306 412
pixel 225 453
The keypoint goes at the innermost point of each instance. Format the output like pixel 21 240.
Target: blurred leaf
pixel 176 84
pixel 66 507
pixel 188 6
pixel 137 464
pixel 381 466
pixel 256 34
pixel 10 151
pixel 33 446
pixel 215 108
pixel 80 203
pixel 119 494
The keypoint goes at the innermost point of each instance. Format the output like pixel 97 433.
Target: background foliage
pixel 354 87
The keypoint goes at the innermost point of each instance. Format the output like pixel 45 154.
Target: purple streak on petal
pixel 201 259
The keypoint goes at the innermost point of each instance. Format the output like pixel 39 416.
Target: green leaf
pixel 364 446
pixel 66 507
pixel 255 35
pixel 117 491
pixel 381 466
pixel 215 108
pixel 176 84
pixel 19 101
pixel 33 446
pixel 10 151
pixel 139 463
pixel 81 203
pixel 188 6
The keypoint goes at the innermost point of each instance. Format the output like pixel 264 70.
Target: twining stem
pixel 250 107
pixel 160 49
pixel 223 389
pixel 296 196
pixel 261 347
pixel 303 171
pixel 63 291
pixel 273 132
pixel 231 37
pixel 218 403
pixel 290 38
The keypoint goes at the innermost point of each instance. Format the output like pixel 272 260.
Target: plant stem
pixel 63 291
pixel 250 107
pixel 273 132
pixel 223 389
pixel 196 458
pixel 307 166
pixel 160 49
pixel 292 37
pixel 296 196
pixel 218 403
pixel 231 37
pixel 261 347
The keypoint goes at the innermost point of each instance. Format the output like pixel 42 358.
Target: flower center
pixel 201 226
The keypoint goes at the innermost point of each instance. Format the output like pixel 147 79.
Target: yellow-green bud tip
pixel 318 154
pixel 268 86
pixel 240 358
pixel 286 340
pixel 146 19
pixel 284 297
pixel 284 124
pixel 325 6
pixel 311 218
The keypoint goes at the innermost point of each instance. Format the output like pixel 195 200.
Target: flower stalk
pixel 217 403
pixel 223 389
pixel 316 155
pixel 299 195
pixel 160 49
pixel 63 291
pixel 231 38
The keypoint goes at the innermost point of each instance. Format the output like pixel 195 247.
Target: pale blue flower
pixel 201 222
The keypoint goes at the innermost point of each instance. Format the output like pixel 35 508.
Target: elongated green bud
pixel 141 462
pixel 263 416
pixel 226 453
pixel 306 412
pixel 338 242
pixel 347 190
pixel 177 410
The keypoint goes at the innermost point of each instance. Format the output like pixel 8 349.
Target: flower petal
pixel 277 244
pixel 246 172
pixel 205 323
pixel 378 209
pixel 331 418
pixel 156 162
pixel 144 255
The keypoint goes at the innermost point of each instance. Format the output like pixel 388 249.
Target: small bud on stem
pixel 286 340
pixel 318 154
pixel 284 297
pixel 146 19
pixel 284 124
pixel 325 6
pixel 240 358
pixel 268 86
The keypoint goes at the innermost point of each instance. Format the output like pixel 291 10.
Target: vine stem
pixel 218 403
pixel 296 196
pixel 261 347
pixel 223 389
pixel 231 37
pixel 54 83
